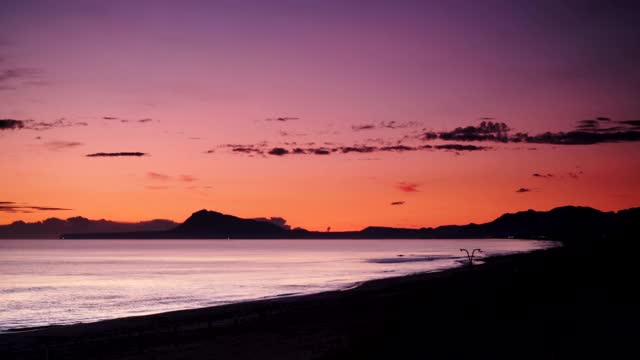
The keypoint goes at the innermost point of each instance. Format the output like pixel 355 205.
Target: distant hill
pixel 568 223
pixel 53 227
pixel 563 223
pixel 214 224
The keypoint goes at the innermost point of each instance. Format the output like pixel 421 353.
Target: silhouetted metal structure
pixel 470 256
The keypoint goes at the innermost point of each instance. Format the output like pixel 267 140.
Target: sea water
pixel 45 282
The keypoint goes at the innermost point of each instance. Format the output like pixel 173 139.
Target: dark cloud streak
pixel 363 127
pixel 486 131
pixel 278 151
pixel 586 132
pixel 11 124
pixel 260 149
pixel 461 147
pixel 282 118
pixel 62 145
pixel 117 154
pixel 12 207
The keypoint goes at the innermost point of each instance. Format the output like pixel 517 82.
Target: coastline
pixel 350 287
pixel 321 325
pixel 507 302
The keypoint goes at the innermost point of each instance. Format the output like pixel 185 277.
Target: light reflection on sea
pixel 45 282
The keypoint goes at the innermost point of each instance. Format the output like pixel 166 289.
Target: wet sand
pixel 550 304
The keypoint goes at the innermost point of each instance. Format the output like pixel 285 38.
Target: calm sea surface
pixel 46 282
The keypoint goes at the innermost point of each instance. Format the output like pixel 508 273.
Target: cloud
pixel 282 119
pixel 321 151
pixel 401 148
pixel 261 149
pixel 154 176
pixel 156 187
pixel 586 132
pixel 44 125
pixel 363 127
pixel 634 123
pixel 281 222
pixel 157 176
pixel 429 135
pixel 11 78
pixel 278 151
pixel 12 207
pixel 587 124
pixel 358 149
pixel 386 125
pixel 399 125
pixel 486 131
pixel 523 190
pixel 117 154
pixel 287 133
pixel 18 73
pixel 114 118
pixel 407 187
pixel 461 147
pixel 578 138
pixel 247 150
pixel 572 175
pixel 61 145
pixel 251 149
pixel 11 124
pixel 187 178
pixel 397 203
pixel 46 208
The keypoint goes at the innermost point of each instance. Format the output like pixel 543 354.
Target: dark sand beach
pixel 562 303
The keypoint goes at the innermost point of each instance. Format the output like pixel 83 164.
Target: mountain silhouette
pixel 206 224
pixel 53 227
pixel 568 223
pixel 563 223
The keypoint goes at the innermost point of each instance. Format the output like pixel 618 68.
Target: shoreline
pixel 234 315
pixel 561 302
pixel 351 287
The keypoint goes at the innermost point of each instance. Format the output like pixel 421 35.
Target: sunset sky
pixel 337 113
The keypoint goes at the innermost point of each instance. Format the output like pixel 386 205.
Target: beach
pixel 556 303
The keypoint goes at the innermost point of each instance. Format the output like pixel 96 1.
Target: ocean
pixel 47 282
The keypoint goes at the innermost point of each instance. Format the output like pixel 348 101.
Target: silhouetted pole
pixel 470 256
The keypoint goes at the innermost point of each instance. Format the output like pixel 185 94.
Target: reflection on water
pixel 65 281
